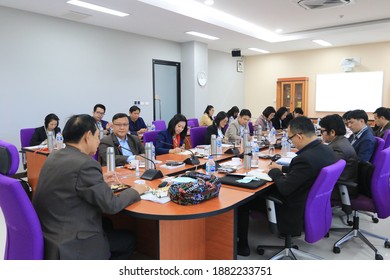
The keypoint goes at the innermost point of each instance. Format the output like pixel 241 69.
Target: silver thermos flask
pixel 110 159
pixel 149 155
pixel 247 156
pixel 213 142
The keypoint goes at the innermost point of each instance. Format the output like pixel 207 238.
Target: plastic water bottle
pixel 137 171
pixel 210 166
pixel 255 154
pixel 272 141
pixel 219 145
pixel 110 159
pixel 213 144
pixel 259 134
pixel 284 145
pixel 152 127
pixel 59 141
pixel 50 144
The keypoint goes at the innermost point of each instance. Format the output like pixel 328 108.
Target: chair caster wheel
pixel 260 251
pixel 387 244
pixel 378 257
pixel 327 235
pixel 336 250
pixel 375 220
pixel 350 223
pixel 295 247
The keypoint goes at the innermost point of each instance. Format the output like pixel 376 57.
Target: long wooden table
pixel 172 231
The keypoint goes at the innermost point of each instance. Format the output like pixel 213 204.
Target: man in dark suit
pixel 291 183
pixel 99 110
pixel 72 194
pixel 119 138
pixel 362 139
pixel 333 131
pixel 382 120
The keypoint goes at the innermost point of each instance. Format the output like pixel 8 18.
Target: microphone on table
pixel 192 160
pixel 149 174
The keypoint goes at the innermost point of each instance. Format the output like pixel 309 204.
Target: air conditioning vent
pixel 322 4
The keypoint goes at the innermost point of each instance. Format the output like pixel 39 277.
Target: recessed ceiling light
pixel 209 2
pixel 198 34
pixel 258 50
pixel 322 43
pixel 96 8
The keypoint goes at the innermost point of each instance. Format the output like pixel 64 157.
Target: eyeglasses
pixel 121 124
pixel 290 138
pixel 322 131
pixel 100 113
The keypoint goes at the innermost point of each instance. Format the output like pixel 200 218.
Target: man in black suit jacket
pixel 291 183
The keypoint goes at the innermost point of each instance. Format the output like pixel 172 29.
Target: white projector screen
pixel 342 92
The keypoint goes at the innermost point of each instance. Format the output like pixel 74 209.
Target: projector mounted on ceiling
pixel 323 4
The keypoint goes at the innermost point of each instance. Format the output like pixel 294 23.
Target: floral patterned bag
pixel 202 187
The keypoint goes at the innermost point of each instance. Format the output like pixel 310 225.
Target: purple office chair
pixel 24 234
pixel 378 203
pixel 150 136
pixel 380 143
pixel 197 135
pixel 9 158
pixel 159 124
pixel 386 137
pixel 318 213
pixel 25 138
pixel 193 122
pixel 250 125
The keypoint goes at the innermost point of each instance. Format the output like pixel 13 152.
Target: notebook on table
pixel 230 179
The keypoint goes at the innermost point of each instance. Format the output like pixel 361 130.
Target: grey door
pixel 166 89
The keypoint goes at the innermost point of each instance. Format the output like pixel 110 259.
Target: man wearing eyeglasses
pixel 99 110
pixel 291 183
pixel 119 138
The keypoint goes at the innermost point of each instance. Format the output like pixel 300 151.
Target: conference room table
pixel 172 231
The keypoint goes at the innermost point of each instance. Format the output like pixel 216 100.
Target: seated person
pixel 217 127
pixel 207 117
pixel 72 195
pixel 362 139
pixel 119 138
pixel 277 120
pixel 137 124
pixel 233 113
pixel 291 183
pixel 264 120
pixel 296 113
pixel 40 134
pixel 171 140
pixel 99 110
pixel 333 131
pixel 382 121
pixel 237 127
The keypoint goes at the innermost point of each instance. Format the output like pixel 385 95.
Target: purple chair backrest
pixel 24 234
pixel 25 136
pixel 380 143
pixel 159 124
pixel 250 125
pixel 380 184
pixel 386 137
pixel 197 135
pixel 9 158
pixel 193 121
pixel 318 210
pixel 150 136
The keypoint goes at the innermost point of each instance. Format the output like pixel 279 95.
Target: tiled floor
pixel 259 233
pixel 352 250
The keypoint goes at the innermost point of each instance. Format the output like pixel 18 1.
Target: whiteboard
pixel 342 92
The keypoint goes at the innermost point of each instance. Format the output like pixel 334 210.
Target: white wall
pixel 54 65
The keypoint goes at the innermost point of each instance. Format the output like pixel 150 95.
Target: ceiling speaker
pixel 236 53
